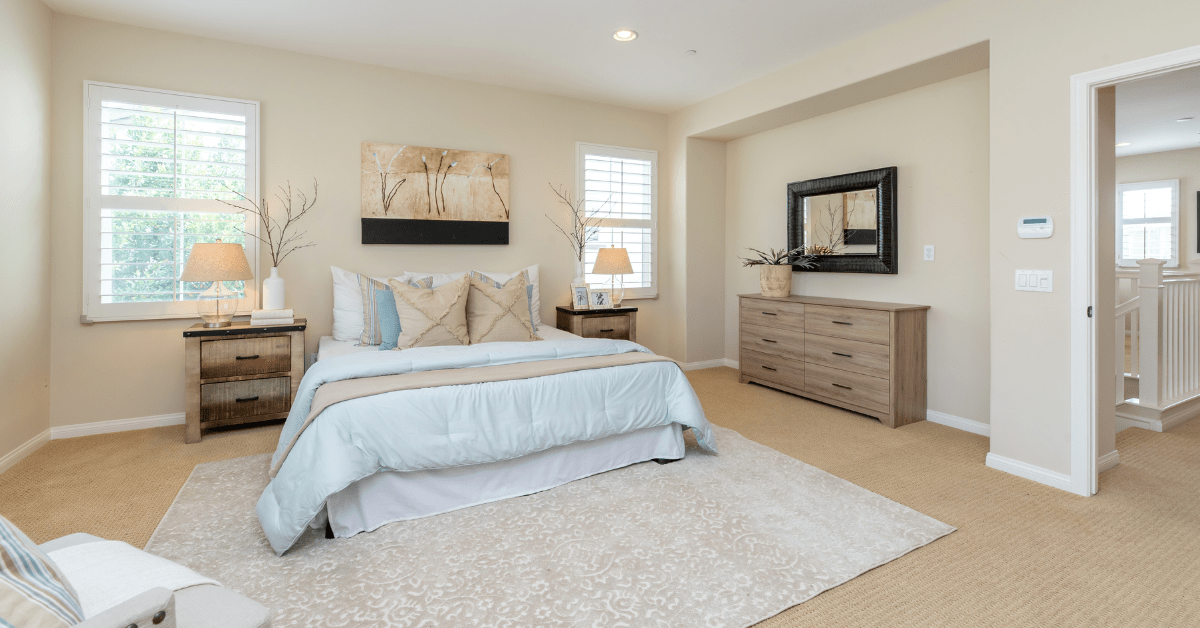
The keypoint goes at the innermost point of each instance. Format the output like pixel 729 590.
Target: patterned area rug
pixel 716 541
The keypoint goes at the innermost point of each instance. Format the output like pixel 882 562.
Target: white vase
pixel 273 291
pixel 578 272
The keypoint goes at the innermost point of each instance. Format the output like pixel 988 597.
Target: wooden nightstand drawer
pixel 246 398
pixel 245 356
pixel 615 327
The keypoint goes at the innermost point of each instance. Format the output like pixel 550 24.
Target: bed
pixel 479 423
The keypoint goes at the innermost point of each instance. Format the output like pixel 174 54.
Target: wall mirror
pixel 847 221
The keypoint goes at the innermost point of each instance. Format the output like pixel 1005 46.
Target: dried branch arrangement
pixel 782 257
pixel 280 238
pixel 583 228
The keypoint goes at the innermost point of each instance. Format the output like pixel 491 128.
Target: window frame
pixel 94 93
pixel 1173 185
pixel 586 148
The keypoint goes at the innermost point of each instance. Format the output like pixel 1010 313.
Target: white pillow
pixel 535 301
pixel 348 303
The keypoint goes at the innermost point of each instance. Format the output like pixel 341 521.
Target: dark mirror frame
pixel 884 182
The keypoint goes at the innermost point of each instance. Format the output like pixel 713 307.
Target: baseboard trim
pixel 118 425
pixel 959 423
pixel 13 457
pixel 1107 461
pixel 708 364
pixel 1029 472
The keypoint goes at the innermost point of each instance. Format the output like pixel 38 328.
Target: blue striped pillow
pixel 33 592
pixel 380 304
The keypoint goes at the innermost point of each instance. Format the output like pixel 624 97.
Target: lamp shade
pixel 217 262
pixel 612 261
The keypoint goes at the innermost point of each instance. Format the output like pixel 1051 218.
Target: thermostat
pixel 1035 227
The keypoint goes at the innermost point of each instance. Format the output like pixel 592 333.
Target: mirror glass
pixel 841 224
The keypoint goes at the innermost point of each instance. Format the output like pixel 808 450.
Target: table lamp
pixel 217 262
pixel 615 262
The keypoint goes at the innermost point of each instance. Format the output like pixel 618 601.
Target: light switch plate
pixel 1035 280
pixel 929 252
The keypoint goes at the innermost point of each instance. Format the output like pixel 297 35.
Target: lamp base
pixel 219 324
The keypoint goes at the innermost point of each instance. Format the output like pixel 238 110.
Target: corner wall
pixel 938 137
pixel 25 205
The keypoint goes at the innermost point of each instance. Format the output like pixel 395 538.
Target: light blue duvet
pixel 450 426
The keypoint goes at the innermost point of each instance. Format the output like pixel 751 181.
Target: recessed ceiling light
pixel 1184 120
pixel 625 35
pixel 1122 144
pixel 689 52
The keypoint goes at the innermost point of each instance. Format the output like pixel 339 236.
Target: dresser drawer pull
pixel 255 398
pixel 841 386
pixel 606 331
pixel 770 313
pixel 770 341
pixel 770 368
pixel 246 357
pixel 841 323
pixel 844 355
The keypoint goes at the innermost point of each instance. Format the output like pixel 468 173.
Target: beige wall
pixel 315 112
pixel 1176 164
pixel 25 205
pixel 706 241
pixel 1035 48
pixel 938 138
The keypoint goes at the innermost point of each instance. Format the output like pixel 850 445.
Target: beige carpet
pixel 719 541
pixel 1024 555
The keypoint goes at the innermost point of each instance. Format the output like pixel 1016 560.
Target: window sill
pixel 84 319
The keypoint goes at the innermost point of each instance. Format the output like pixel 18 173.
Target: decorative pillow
pixel 379 311
pixel 33 591
pixel 499 281
pixel 498 313
pixel 348 304
pixel 531 278
pixel 432 317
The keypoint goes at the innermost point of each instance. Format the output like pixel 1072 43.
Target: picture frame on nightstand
pixel 579 296
pixel 600 298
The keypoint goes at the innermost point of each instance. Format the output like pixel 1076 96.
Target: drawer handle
pixel 255 398
pixel 841 323
pixel 769 368
pixel 246 357
pixel 605 331
pixel 844 355
pixel 769 313
pixel 841 386
pixel 770 341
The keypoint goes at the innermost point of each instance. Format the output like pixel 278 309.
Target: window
pixel 157 165
pixel 620 188
pixel 1148 222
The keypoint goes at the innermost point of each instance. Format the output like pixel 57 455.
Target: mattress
pixel 329 348
pixel 391 496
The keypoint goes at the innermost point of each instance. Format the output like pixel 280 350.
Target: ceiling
pixel 1147 110
pixel 560 47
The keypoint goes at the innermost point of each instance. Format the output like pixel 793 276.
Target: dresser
pixel 863 356
pixel 240 374
pixel 619 323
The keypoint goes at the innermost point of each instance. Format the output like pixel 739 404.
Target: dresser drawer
pixel 231 400
pixel 848 355
pixel 851 323
pixel 778 314
pixel 245 356
pixel 787 343
pixel 772 368
pixel 614 327
pixel 873 393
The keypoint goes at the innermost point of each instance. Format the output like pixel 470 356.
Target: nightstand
pixel 240 374
pixel 619 323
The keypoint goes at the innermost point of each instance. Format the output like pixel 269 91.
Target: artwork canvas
pixel 422 195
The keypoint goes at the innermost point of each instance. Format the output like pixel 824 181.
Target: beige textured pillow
pixel 431 317
pixel 499 313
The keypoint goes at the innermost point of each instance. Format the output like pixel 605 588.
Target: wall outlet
pixel 929 252
pixel 1035 280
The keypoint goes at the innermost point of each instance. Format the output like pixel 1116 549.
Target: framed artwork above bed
pixel 422 195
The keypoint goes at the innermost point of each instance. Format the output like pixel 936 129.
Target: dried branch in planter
pixel 280 239
pixel 583 227
pixel 782 257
